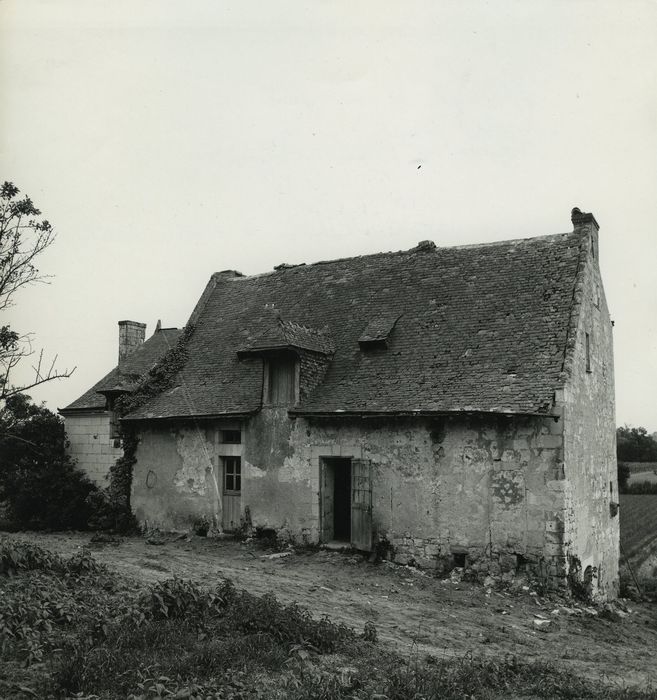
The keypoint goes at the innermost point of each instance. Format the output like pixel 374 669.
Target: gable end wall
pixel 591 535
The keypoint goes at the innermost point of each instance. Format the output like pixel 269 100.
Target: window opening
pixel 588 352
pixel 232 474
pixel 231 437
pixel 460 559
pixel 281 387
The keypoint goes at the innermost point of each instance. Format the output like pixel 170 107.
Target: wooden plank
pixel 231 512
pixel 361 504
pixel 327 497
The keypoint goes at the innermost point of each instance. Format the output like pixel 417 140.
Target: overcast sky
pixel 169 139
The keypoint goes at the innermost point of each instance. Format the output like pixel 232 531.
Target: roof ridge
pixel 416 250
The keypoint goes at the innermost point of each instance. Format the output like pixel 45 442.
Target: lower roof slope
pixel 126 375
pixel 479 328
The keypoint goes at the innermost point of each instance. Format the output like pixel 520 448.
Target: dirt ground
pixel 412 610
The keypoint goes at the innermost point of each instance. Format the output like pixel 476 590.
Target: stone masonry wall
pixel 91 445
pixel 490 489
pixel 591 527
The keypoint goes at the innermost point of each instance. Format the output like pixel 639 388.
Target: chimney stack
pixel 131 336
pixel 582 219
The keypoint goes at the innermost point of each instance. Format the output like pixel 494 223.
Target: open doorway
pixel 336 499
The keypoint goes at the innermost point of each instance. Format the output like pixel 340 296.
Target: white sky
pixel 169 139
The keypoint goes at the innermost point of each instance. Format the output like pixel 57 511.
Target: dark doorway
pixel 336 499
pixel 342 512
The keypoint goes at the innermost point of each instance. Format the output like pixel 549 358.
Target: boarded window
pixel 281 389
pixel 232 474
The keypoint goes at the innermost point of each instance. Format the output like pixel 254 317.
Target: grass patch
pixel 70 628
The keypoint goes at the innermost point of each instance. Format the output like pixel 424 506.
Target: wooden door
pixel 327 501
pixel 361 504
pixel 232 493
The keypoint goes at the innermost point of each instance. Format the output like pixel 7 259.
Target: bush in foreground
pixel 40 486
pixel 93 635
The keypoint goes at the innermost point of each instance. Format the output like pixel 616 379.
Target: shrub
pixel 175 599
pixel 641 487
pixel 40 486
pixel 24 556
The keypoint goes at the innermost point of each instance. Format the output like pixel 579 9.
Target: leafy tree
pixel 23 237
pixel 40 486
pixel 635 445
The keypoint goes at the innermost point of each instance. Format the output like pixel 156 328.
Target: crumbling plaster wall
pixel 277 485
pixel 177 479
pixel 90 444
pixel 587 402
pixel 489 487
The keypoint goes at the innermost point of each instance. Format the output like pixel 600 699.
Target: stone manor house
pixel 447 406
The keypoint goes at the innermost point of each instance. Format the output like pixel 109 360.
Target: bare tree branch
pixel 23 237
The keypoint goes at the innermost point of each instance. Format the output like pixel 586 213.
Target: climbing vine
pixel 112 506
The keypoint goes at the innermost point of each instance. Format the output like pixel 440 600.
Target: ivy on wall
pixel 112 507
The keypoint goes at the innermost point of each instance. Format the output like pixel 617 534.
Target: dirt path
pixel 415 612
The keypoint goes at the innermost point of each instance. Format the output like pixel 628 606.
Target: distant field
pixel 638 522
pixel 641 466
pixel 637 477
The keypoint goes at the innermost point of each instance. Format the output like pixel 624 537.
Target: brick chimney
pixel 131 336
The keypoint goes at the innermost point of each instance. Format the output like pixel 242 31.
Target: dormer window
pixel 280 385
pixel 283 345
pixel 378 330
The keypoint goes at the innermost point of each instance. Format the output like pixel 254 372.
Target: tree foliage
pixel 635 445
pixel 623 477
pixel 23 237
pixel 40 486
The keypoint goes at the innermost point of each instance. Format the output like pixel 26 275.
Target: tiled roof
pixel 479 328
pixel 126 376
